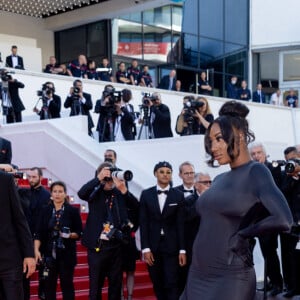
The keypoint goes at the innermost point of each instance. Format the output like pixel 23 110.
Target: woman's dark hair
pixel 232 118
pixel 58 183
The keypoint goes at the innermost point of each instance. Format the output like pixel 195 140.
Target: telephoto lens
pixel 123 175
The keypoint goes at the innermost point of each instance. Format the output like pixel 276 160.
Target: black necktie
pixel 162 192
pixel 188 191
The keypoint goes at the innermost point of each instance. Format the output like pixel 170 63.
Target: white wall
pixel 274 23
pixel 18 30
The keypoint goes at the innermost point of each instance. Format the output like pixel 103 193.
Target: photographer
pixel 12 105
pixel 160 117
pixel 195 116
pixel 58 228
pixel 124 125
pixel 80 103
pixel 106 229
pixel 51 103
pixel 290 241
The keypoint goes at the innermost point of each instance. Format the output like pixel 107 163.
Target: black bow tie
pixel 188 191
pixel 162 192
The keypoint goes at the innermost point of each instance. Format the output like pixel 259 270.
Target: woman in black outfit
pixel 58 229
pixel 241 204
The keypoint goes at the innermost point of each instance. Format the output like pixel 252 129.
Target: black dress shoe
pixel 275 291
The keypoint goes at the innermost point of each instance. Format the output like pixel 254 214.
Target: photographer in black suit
pixel 160 117
pixel 11 102
pixel 51 103
pixel 106 229
pixel 16 246
pixel 80 103
pixel 5 151
pixel 162 233
pixel 124 126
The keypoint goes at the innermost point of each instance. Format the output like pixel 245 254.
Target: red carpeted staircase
pixel 142 290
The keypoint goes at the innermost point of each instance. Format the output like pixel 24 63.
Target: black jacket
pixel 13 89
pixel 53 109
pixel 70 218
pixel 5 151
pixel 15 237
pixel 84 108
pixel 9 64
pixel 93 193
pixel 171 220
pixel 165 81
pixel 161 125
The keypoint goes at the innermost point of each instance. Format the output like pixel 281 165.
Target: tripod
pixel 145 123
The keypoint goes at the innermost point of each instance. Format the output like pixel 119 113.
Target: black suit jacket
pixel 15 237
pixel 70 218
pixel 53 108
pixel 161 125
pixel 9 63
pixel 93 193
pixel 127 124
pixel 85 108
pixel 256 98
pixel 5 151
pixel 165 82
pixel 13 89
pixel 171 220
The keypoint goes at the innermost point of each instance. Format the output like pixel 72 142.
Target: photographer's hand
pixel 105 172
pixel 29 265
pixel 120 184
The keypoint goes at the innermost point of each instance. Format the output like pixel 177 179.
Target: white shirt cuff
pixel 146 250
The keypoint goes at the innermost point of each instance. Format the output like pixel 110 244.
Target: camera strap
pixel 56 216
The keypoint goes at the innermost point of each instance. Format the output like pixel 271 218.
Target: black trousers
pixel 105 263
pixel 66 275
pixel 11 285
pixel 164 274
pixel 269 245
pixel 15 117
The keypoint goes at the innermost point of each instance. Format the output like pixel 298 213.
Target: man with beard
pixel 33 200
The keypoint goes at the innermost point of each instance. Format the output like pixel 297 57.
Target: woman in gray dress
pixel 240 205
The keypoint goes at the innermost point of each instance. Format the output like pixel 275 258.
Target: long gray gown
pixel 241 204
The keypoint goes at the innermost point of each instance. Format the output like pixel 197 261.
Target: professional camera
pixel 190 106
pixel 58 236
pixel 122 234
pixel 17 175
pixel 113 97
pixel 45 91
pixel 5 76
pixel 147 98
pixel 122 175
pixel 289 166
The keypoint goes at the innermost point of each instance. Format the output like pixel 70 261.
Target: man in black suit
pixel 106 225
pixel 124 125
pixel 16 245
pixel 186 173
pixel 51 103
pixel 269 243
pixel 11 102
pixel 14 60
pixel 168 82
pixel 80 103
pixel 5 151
pixel 160 118
pixel 259 96
pixel 162 233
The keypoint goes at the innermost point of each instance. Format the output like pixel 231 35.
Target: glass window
pixel 190 17
pixel 135 17
pixel 210 18
pixel 160 17
pixel 177 18
pixel 190 50
pixel 291 66
pixel 96 38
pixel 210 49
pixel 229 48
pixel 236 21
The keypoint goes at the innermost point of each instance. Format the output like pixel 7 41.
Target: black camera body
pixel 45 91
pixel 190 107
pixel 121 234
pixel 113 96
pixel 289 165
pixel 6 77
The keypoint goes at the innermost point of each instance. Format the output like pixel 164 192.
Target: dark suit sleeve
pixel 144 222
pixel 68 102
pixel 180 221
pixel 89 190
pixel 162 112
pixel 76 221
pixel 19 221
pixel 55 106
pixel 88 105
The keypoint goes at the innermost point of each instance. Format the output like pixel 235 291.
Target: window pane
pixel 160 17
pixel 96 40
pixel 210 49
pixel 291 67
